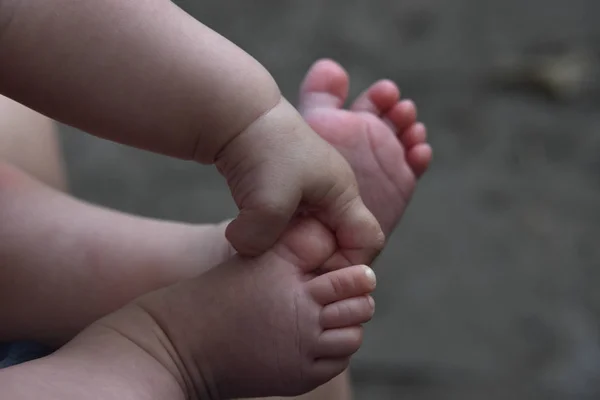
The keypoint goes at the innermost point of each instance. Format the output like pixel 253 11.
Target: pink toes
pixel 419 157
pixel 418 151
pixel 378 99
pixel 325 85
pixel 415 134
pixel 402 118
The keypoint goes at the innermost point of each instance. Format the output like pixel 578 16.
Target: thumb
pixel 261 221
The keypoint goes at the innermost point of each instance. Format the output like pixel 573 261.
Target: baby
pixel 148 75
pixel 105 259
pixel 213 104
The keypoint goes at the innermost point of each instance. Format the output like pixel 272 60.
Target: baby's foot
pixel 259 327
pixel 378 136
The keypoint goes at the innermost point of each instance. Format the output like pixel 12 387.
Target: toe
pixel 413 135
pixel 419 158
pixel 342 284
pixel 378 99
pixel 349 312
pixel 401 116
pixel 339 343
pixel 325 85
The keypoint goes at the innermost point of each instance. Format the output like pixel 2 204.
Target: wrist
pixel 253 141
pixel 243 112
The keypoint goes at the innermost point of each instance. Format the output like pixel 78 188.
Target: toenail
pixel 371 301
pixel 370 275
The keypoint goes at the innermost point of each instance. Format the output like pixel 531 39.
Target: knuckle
pixel 275 209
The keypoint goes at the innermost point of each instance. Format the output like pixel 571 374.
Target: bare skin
pixel 265 326
pixel 323 94
pixel 381 139
pixel 91 259
pixel 146 74
pixel 378 135
pixel 139 247
pixel 28 140
pixel 67 263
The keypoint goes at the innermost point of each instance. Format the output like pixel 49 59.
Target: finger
pixel 357 231
pixel 334 192
pixel 259 224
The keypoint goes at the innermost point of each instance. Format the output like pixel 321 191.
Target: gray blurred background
pixel 489 288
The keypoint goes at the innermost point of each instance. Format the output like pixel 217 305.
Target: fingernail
pixel 370 275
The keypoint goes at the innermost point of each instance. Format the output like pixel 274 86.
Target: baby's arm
pixel 65 263
pixel 143 73
pixel 146 74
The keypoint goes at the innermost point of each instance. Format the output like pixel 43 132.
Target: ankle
pixel 138 326
pixel 122 360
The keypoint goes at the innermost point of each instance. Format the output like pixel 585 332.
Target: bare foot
pixel 257 327
pixel 379 136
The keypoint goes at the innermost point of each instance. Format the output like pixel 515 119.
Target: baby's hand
pixel 277 167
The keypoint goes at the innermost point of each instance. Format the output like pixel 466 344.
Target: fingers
pixel 262 222
pixel 281 163
pixel 333 192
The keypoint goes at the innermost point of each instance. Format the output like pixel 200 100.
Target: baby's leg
pixel 268 326
pixel 256 327
pixel 29 141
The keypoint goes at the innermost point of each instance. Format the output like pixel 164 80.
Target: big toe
pixel 325 85
pixel 342 284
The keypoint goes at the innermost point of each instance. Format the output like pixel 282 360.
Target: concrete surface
pixel 489 288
